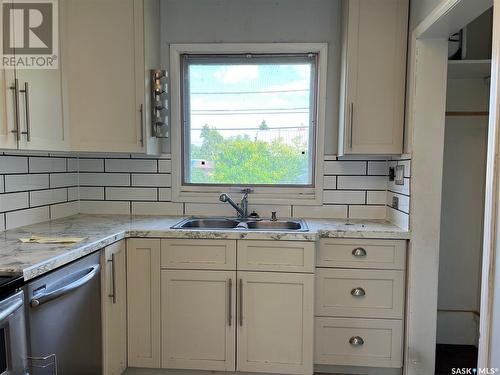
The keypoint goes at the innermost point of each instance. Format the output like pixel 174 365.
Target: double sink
pixel 223 223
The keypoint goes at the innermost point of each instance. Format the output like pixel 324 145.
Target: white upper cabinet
pixel 105 47
pixel 31 106
pixel 373 77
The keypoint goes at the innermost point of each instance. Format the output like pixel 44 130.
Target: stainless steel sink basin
pixel 221 223
pixel 206 223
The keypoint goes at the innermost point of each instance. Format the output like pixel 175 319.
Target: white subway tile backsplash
pixel 362 182
pixel 378 168
pixel 345 167
pixel 157 208
pixel 150 179
pixel 131 194
pixel 63 179
pixel 2 187
pixel 43 165
pixel 26 217
pixel 104 179
pixel 208 209
pixel 401 189
pixel 130 165
pixel 13 164
pixel 91 192
pixel 343 197
pixel 60 210
pixel 403 201
pixel 165 194
pixel 73 193
pixel 329 182
pixel 2 221
pixel 165 166
pixel 91 165
pixel 367 212
pixel 321 212
pixel 105 207
pixel 376 197
pixel 46 197
pixel 25 182
pixel 13 201
pixel 399 218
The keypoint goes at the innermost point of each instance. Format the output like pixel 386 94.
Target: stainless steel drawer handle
pixel 356 341
pixel 358 292
pixel 230 303
pixel 113 277
pixel 359 252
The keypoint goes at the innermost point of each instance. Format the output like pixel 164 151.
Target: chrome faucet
pixel 242 208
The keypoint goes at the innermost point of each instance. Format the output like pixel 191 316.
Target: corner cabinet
pixel 107 73
pixel 114 308
pixel 373 76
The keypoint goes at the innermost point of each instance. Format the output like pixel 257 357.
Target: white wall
pixel 421 9
pixel 260 21
pixel 464 173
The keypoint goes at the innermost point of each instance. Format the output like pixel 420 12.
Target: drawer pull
pixel 356 341
pixel 359 252
pixel 358 292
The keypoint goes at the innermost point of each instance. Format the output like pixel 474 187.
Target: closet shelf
pixel 463 69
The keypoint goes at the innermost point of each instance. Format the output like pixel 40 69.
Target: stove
pixel 9 283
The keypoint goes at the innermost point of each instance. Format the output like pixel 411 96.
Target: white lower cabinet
pixel 198 319
pixel 114 308
pixel 275 322
pixel 143 302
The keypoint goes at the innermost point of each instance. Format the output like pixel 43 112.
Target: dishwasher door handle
pixel 44 297
pixel 6 312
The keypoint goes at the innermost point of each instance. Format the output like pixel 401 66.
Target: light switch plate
pixel 399 178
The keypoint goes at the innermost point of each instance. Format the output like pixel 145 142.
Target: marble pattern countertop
pixel 32 260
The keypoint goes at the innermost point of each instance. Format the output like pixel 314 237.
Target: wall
pixel 36 188
pixel 400 215
pixel 460 253
pixel 124 184
pixel 260 21
pixel 421 9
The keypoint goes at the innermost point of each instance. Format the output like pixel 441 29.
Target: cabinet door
pixel 143 302
pixel 275 322
pixel 8 137
pixel 41 109
pixel 114 307
pixel 198 319
pixel 103 70
pixel 372 113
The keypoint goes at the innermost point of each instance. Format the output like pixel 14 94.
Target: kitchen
pixel 231 186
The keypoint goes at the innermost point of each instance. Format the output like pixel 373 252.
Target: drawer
pixel 358 342
pixel 359 293
pixel 287 256
pixel 362 253
pixel 198 254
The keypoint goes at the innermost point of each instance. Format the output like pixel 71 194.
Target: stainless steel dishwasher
pixel 64 320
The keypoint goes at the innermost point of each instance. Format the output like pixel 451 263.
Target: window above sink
pixel 248 115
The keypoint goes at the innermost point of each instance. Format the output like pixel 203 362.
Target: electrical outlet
pixel 395 202
pixel 399 178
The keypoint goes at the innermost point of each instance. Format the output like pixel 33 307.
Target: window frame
pixel 282 194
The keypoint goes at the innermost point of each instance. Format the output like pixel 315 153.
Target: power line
pixel 248 113
pixel 247 92
pixel 270 128
pixel 249 109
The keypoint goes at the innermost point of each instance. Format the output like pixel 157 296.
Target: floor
pixel 454 356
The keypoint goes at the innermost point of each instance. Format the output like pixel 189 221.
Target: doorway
pixel 462 198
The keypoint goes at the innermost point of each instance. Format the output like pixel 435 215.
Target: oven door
pixel 13 352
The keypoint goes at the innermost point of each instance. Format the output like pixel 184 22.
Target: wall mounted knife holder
pixel 159 103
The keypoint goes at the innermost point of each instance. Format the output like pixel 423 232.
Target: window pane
pixel 249 123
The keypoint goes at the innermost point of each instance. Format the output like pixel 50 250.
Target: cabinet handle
pixel 359 252
pixel 27 111
pixel 113 278
pixel 356 341
pixel 351 123
pixel 230 298
pixel 141 112
pixel 358 292
pixel 15 88
pixel 241 302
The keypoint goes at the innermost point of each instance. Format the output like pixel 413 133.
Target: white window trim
pixel 261 195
